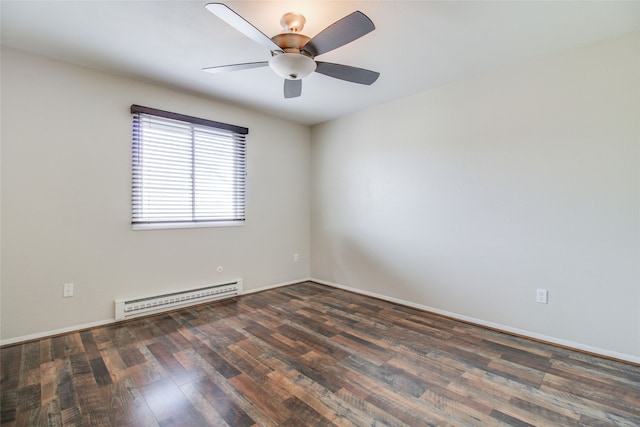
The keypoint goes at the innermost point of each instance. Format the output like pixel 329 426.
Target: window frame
pixel 195 125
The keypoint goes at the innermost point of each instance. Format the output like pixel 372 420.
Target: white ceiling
pixel 417 45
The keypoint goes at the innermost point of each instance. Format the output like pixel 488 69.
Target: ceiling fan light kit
pixel 293 53
pixel 292 66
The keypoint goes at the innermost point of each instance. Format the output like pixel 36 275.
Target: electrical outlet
pixel 542 296
pixel 67 290
pixel 296 257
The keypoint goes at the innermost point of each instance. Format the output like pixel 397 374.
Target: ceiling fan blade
pixel 347 73
pixel 292 88
pixel 239 23
pixel 235 67
pixel 341 32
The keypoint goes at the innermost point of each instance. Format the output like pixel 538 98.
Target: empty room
pixel 320 213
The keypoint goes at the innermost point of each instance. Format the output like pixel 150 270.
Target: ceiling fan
pixel 293 53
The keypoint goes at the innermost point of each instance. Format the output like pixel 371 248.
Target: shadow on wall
pixel 358 266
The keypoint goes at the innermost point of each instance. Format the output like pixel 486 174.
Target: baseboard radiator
pixel 128 308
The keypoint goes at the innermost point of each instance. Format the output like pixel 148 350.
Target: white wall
pixel 469 197
pixel 66 174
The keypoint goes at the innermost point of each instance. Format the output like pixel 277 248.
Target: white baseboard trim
pixel 277 285
pixel 55 332
pixel 76 328
pixel 496 326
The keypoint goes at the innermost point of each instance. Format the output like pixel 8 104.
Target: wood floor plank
pixel 328 405
pixel 230 410
pixel 10 361
pixel 624 402
pixel 147 372
pixel 91 402
pixel 58 346
pixel 49 389
pixel 66 391
pixel 217 362
pixel 313 341
pixel 30 366
pixel 355 398
pixel 265 335
pixel 552 415
pixel 457 408
pixel 46 351
pixel 260 397
pixel 164 355
pixel 46 415
pixel 432 373
pixel 89 344
pixel 169 405
pixel 595 370
pixel 408 412
pixel 115 366
pixel 100 371
pixel 304 414
pixel 204 406
pixel 308 355
pixel 126 405
pixel 73 344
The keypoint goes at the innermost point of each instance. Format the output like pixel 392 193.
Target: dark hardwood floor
pixel 309 355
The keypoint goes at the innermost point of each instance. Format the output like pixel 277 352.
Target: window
pixel 186 171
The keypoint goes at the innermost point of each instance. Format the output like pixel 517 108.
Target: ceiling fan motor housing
pixel 290 42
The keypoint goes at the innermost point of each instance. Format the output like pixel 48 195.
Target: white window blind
pixel 186 169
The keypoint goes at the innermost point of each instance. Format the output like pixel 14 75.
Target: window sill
pixel 172 226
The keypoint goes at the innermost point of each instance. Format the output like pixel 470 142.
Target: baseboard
pixel 277 285
pixel 76 328
pixel 495 326
pixel 55 332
